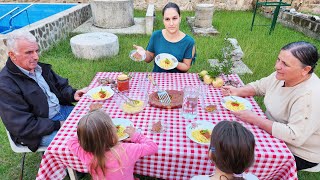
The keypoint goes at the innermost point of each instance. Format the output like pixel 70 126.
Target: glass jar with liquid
pixel 123 82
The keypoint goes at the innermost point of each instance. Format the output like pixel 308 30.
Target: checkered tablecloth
pixel 178 157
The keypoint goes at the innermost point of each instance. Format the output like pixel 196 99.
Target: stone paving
pixel 137 28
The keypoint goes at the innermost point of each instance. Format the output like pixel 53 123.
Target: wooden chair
pixel 276 4
pixel 17 148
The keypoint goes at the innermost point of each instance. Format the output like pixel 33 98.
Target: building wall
pixel 304 5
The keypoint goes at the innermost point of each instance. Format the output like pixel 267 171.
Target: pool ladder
pixel 15 15
pixel 8 13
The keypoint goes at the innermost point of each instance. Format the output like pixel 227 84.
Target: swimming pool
pixel 33 14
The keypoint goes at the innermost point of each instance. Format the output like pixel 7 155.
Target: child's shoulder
pixel 249 176
pixel 201 177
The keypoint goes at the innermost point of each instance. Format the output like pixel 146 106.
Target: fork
pixel 127 100
pixel 162 94
pixel 233 98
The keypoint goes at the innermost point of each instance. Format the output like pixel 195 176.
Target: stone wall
pixel 304 5
pixel 3 52
pixel 50 30
pixel 301 22
pixel 304 23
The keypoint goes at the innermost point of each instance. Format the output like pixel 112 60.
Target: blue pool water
pixel 33 14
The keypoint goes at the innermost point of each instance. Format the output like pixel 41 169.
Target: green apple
pixel 203 73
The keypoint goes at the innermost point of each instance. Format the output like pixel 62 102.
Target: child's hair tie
pixel 238 175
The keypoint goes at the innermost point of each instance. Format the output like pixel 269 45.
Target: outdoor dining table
pixel 178 157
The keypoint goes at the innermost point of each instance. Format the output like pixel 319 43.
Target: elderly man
pixel 34 101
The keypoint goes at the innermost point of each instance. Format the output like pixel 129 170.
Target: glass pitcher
pixel 190 102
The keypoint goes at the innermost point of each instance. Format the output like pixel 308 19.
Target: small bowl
pixel 137 59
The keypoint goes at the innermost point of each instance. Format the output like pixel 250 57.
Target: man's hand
pixel 79 93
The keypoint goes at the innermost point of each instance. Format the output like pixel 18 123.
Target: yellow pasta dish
pixel 235 105
pixel 137 107
pixel 101 95
pixel 201 135
pixel 120 131
pixel 166 63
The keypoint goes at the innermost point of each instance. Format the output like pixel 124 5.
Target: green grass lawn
pixel 261 51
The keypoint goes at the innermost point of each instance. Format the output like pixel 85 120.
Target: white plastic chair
pixel 17 148
pixel 313 169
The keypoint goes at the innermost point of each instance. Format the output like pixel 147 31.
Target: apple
pixel 203 73
pixel 217 82
pixel 207 79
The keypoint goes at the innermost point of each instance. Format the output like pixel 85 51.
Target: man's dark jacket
pixel 24 107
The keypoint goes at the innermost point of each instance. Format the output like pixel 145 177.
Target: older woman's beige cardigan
pixel 295 112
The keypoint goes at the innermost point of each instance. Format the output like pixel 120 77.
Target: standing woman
pixel 291 96
pixel 170 40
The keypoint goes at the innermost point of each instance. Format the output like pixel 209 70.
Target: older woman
pixel 171 40
pixel 291 96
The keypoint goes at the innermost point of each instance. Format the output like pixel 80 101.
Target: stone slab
pixel 239 67
pixel 201 31
pixel 149 21
pixel 137 28
pixel 94 45
pixel 112 13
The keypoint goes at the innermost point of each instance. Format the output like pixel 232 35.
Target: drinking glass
pixel 203 88
pixel 190 102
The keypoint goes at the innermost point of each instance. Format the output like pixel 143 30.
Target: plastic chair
pixel 17 148
pixel 277 5
pixel 313 169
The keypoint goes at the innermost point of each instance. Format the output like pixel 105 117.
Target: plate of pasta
pixel 121 124
pixel 166 61
pixel 200 132
pixel 236 103
pixel 100 93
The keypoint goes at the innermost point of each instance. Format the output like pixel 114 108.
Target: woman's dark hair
pixel 305 52
pixel 171 5
pixel 232 147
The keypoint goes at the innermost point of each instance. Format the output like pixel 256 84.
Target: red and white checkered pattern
pixel 178 157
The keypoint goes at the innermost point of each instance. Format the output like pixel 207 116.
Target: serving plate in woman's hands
pixel 161 59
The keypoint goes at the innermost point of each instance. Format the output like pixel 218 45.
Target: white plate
pixel 143 56
pixel 125 123
pixel 162 56
pixel 92 91
pixel 199 125
pixel 238 99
